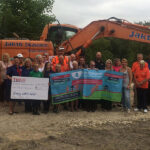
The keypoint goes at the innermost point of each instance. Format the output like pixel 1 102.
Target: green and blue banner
pixel 86 84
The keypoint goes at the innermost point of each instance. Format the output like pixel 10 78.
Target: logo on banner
pixel 76 75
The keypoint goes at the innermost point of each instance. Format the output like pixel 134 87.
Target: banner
pixel 66 86
pixel 29 88
pixel 86 84
pixel 102 84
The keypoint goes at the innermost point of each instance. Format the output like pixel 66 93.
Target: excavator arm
pixel 111 27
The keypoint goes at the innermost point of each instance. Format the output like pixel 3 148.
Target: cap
pixel 61 48
pixel 20 55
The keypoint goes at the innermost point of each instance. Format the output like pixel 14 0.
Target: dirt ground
pixel 115 130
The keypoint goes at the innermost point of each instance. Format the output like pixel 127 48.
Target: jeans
pixel 126 98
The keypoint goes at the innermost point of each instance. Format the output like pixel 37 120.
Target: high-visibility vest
pixel 55 60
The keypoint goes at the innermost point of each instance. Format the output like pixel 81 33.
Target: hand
pixel 128 87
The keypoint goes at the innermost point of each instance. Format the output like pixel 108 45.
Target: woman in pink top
pixel 4 64
pixel 117 65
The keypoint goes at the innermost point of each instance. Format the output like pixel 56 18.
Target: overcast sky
pixel 82 12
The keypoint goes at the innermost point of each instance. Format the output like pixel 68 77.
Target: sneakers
pixel 128 110
pixel 136 109
pixel 145 111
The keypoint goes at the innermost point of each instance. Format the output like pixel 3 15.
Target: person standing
pixel 38 74
pixel 72 59
pixel 4 64
pixel 39 61
pixel 99 64
pixel 82 63
pixel 21 59
pixel 14 70
pixel 74 104
pixel 107 105
pixel 92 104
pixel 64 66
pixel 60 51
pixel 127 80
pixel 117 65
pixel 56 107
pixel 46 73
pixel 26 69
pixel 141 77
pixel 135 67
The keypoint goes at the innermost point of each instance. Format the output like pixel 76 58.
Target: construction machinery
pixel 75 40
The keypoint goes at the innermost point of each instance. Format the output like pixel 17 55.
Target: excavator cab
pixel 57 33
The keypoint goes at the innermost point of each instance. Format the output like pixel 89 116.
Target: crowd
pixel 42 67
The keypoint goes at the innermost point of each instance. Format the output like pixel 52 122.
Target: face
pixel 28 64
pixel 16 61
pixel 40 60
pixel 5 58
pixel 36 68
pixel 60 52
pixel 48 67
pixel 82 61
pixel 73 57
pixel 98 55
pixel 139 57
pixel 108 65
pixel 75 65
pixel 118 63
pixel 92 65
pixel 124 63
pixel 44 58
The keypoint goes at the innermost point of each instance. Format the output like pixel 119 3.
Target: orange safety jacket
pixel 55 60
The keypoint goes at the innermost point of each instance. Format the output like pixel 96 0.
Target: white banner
pixel 29 88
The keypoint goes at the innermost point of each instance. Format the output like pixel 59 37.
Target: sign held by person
pixel 29 88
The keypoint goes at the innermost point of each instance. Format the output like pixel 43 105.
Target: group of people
pixel 42 67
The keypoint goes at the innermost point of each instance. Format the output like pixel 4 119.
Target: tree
pixel 27 18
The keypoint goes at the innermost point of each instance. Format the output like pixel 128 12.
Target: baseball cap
pixel 61 48
pixel 20 55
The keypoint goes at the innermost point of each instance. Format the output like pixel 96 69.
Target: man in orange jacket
pixel 60 51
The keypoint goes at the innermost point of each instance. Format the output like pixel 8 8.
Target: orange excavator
pixel 75 40
pixel 112 27
pixel 52 36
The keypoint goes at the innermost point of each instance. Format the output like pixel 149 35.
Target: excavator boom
pixel 112 27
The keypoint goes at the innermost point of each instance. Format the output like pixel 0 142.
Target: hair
pixel 139 54
pixel 45 67
pixel 74 62
pixel 6 54
pixel 124 59
pixel 16 57
pixel 27 59
pixel 116 59
pixel 108 61
pixel 92 61
pixel 37 56
pixel 36 64
pixel 98 53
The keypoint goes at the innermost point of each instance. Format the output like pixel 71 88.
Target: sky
pixel 82 12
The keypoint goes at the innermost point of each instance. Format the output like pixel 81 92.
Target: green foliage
pixel 27 18
pixel 117 48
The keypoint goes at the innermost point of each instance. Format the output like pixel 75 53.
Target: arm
pixel 8 74
pixel 130 76
pixel 147 78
